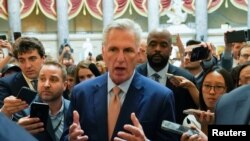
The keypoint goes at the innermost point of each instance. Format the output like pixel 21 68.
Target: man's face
pixel 187 63
pixel 236 48
pixel 70 81
pixel 244 55
pixel 67 62
pixel 120 54
pixel 244 77
pixel 30 63
pixel 159 49
pixel 50 83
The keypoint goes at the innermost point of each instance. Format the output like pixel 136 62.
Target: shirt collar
pixel 162 72
pixel 60 112
pixel 123 86
pixel 28 81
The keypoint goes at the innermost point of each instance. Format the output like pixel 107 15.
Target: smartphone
pixel 174 39
pixel 17 35
pixel 26 94
pixel 199 53
pixel 191 111
pixel 177 128
pixel 3 37
pixel 237 36
pixel 40 110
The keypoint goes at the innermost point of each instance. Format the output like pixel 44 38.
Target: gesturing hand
pixel 75 131
pixel 136 132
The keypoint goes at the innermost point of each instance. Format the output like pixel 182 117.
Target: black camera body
pixel 199 53
pixel 3 37
pixel 238 36
pixel 17 35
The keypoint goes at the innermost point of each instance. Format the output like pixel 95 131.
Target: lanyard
pixel 57 126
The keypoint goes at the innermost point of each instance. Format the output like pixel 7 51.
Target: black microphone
pixel 94 69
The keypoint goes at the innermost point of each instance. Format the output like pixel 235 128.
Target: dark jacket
pixel 183 99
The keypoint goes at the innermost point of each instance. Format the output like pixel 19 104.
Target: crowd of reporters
pixel 202 84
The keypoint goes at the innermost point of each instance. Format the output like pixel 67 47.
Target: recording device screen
pixel 199 53
pixel 40 110
pixel 26 94
pixel 17 35
pixel 3 37
pixel 177 128
pixel 238 36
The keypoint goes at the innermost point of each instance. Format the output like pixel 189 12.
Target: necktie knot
pixel 156 77
pixel 34 84
pixel 116 90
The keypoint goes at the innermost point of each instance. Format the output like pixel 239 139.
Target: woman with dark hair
pixel 83 72
pixel 216 82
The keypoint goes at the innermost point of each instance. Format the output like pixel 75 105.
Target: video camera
pixel 199 53
pixel 238 36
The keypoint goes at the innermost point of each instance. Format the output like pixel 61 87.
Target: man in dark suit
pixel 10 131
pixel 159 47
pixel 51 84
pixel 141 105
pixel 233 108
pixel 30 56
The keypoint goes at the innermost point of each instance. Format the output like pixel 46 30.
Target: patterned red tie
pixel 114 110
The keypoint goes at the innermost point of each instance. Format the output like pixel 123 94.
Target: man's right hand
pixel 32 125
pixel 12 105
pixel 75 131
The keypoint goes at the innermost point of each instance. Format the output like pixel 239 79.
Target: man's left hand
pixel 136 132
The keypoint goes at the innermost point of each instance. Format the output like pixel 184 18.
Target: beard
pixel 50 98
pixel 157 61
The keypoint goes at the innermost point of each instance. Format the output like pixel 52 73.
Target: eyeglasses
pixel 217 89
pixel 245 56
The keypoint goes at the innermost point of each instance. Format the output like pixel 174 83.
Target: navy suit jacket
pixel 10 85
pixel 183 99
pixel 233 108
pixel 151 102
pixel 10 131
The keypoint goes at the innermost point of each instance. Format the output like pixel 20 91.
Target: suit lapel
pixel 19 82
pixel 100 108
pixel 130 104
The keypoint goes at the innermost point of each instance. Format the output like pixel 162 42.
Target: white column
pixel 107 11
pixel 248 15
pixel 14 17
pixel 201 19
pixel 62 21
pixel 153 14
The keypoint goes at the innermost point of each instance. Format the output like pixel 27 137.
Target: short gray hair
pixel 124 24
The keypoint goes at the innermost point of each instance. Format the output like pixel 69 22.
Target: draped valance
pixel 94 7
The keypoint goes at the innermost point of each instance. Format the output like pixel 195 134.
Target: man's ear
pixel 238 57
pixel 65 85
pixel 103 53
